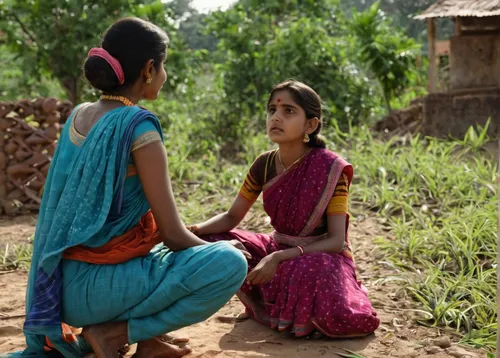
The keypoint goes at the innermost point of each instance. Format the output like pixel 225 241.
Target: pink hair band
pixel 113 62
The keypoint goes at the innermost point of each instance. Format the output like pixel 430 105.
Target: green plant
pixel 387 52
pixel 16 257
pixel 349 354
pixel 51 38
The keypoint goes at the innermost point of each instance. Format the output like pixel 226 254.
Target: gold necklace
pixel 298 160
pixel 121 99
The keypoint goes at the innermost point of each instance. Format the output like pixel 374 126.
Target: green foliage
pixel 16 257
pixel 51 38
pixel 350 354
pixel 387 52
pixel 191 25
pixel 193 33
pixel 402 12
pixel 263 43
pixel 15 83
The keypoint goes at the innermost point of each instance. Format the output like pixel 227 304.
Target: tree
pixel 263 43
pixel 180 8
pixel 53 37
pixel 193 33
pixel 402 12
pixel 388 53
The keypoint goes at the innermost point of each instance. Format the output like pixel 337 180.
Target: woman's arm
pixel 152 167
pixel 226 221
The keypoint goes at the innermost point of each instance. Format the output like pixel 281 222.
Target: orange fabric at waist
pixel 136 242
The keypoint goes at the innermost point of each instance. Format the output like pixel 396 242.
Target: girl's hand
pixel 264 271
pixel 242 248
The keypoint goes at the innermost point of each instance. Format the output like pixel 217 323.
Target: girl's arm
pixel 226 221
pixel 333 243
pixel 336 221
pixel 266 268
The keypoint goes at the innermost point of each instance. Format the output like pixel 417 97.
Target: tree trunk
pixel 431 43
pixel 72 89
pixel 498 253
pixel 387 99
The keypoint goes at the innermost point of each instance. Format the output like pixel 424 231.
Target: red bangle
pixel 301 250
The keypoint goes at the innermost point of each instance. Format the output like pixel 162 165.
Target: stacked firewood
pixel 28 135
pixel 403 121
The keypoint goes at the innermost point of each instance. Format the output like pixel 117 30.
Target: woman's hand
pixel 264 271
pixel 242 248
pixel 193 229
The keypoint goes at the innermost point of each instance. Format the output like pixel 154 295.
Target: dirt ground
pixel 222 335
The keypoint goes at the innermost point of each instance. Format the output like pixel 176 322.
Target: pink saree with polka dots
pixel 317 291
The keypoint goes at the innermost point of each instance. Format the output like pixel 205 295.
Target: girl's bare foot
pixel 242 317
pixel 317 335
pixel 106 338
pixel 156 348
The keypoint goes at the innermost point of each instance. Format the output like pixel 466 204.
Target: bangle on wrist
pixel 301 250
pixel 194 229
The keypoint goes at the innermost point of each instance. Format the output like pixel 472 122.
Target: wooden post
pixel 498 253
pixel 431 43
pixel 458 26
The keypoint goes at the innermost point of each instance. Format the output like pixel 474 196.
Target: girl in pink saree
pixel 301 277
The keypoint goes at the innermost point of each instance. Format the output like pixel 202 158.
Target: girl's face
pixel 286 120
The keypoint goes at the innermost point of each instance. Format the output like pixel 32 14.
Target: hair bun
pixel 100 74
pixel 118 61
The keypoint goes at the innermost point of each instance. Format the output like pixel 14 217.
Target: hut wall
pixel 451 114
pixel 475 62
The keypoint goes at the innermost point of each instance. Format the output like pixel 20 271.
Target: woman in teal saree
pixel 111 254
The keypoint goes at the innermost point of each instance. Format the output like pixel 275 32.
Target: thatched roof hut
pixel 473 94
pixel 462 8
pixel 477 22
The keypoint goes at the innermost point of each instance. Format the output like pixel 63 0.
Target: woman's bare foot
pixel 167 338
pixel 106 338
pixel 171 339
pixel 156 348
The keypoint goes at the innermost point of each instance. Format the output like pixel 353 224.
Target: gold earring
pixel 149 80
pixel 306 138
